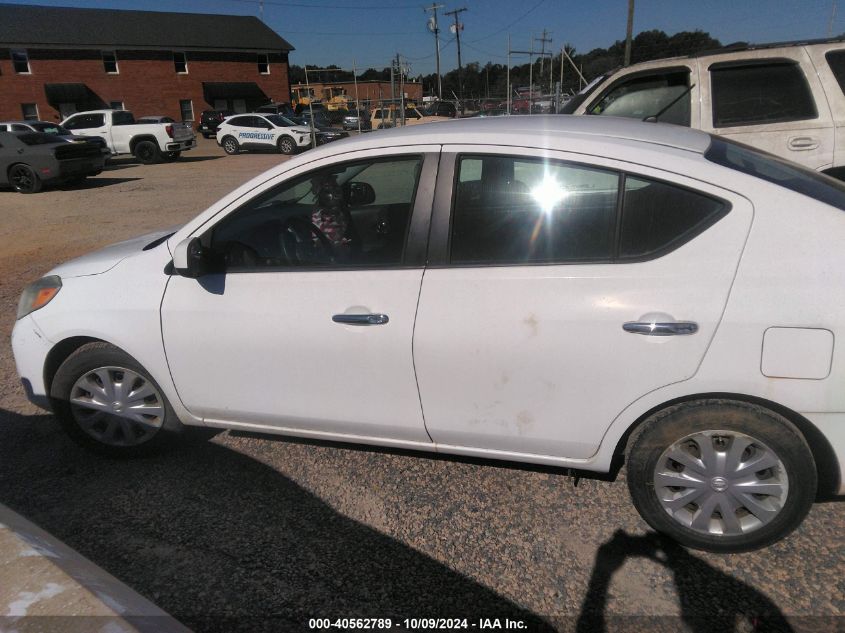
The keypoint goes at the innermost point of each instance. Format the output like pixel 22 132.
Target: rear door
pixel 772 100
pixel 520 342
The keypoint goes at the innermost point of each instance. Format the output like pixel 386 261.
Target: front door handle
pixel 361 319
pixel 673 328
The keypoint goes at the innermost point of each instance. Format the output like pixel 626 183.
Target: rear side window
pixel 836 61
pixel 240 121
pixel 122 118
pixel 768 91
pixel 657 217
pixel 511 210
pixel 774 169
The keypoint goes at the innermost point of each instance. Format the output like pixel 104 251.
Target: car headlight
pixel 38 294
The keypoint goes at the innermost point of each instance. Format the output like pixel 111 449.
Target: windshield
pixel 50 128
pixel 281 121
pixel 779 171
pixel 36 138
pixel 570 106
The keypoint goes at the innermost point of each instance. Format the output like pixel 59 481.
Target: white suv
pixel 262 131
pixel 784 99
pixel 554 290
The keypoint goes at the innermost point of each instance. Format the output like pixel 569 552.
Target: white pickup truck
pixel 148 142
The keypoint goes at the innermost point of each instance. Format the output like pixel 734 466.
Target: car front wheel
pixel 24 179
pixel 109 404
pixel 230 145
pixel 286 145
pixel 721 475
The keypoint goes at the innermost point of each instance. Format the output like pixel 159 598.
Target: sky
pixel 369 33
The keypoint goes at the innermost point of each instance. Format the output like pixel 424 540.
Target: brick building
pixel 367 91
pixel 58 60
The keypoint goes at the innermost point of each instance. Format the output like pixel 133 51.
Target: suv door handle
pixel 803 142
pixel 361 319
pixel 674 328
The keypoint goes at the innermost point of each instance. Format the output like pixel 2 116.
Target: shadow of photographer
pixel 710 600
pixel 224 542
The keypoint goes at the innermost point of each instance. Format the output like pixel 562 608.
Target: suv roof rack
pixel 745 46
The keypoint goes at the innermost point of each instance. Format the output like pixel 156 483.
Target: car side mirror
pixel 190 259
pixel 359 194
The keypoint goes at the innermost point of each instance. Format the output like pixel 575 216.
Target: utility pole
pixel 436 30
pixel 543 50
pixel 629 32
pixel 458 28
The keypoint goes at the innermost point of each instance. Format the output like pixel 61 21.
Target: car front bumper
pixel 30 347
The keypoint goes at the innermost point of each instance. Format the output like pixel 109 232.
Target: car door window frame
pixel 416 233
pixel 445 196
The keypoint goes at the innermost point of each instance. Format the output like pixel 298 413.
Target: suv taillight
pixel 169 130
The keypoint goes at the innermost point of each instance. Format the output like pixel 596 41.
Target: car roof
pixel 545 130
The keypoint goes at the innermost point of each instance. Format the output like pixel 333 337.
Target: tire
pixel 95 374
pixel 24 179
pixel 718 443
pixel 170 156
pixel 146 152
pixel 286 145
pixel 230 145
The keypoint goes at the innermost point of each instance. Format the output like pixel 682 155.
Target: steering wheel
pixel 297 243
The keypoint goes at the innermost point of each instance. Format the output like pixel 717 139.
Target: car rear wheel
pixel 109 404
pixel 286 145
pixel 721 475
pixel 146 152
pixel 230 145
pixel 24 179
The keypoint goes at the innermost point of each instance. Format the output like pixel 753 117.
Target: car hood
pixel 300 130
pixel 107 258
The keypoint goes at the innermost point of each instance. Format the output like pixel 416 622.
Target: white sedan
pixel 566 291
pixel 262 131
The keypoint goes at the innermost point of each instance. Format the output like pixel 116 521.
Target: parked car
pixel 381 118
pixel 322 127
pixel 284 109
pixel 30 160
pixel 148 142
pixel 262 131
pixel 786 99
pixel 490 112
pixel 566 291
pixel 155 119
pixel 210 119
pixel 55 129
pixel 355 118
pixel 441 108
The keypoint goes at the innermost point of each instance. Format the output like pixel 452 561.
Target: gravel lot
pixel 250 533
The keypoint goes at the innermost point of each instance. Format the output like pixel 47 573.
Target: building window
pixel 187 108
pixel 110 62
pixel 180 62
pixel 116 105
pixel 20 61
pixel 263 64
pixel 29 111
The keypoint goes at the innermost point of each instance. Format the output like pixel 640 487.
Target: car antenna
pixel 653 118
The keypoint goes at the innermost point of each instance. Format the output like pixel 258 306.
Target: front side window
pixel 180 62
pixel 263 64
pixel 836 61
pixel 664 96
pixel 350 215
pixel 110 62
pixel 85 121
pixel 29 111
pixel 767 91
pixel 511 210
pixel 20 61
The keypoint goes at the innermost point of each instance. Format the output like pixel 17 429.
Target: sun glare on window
pixel 548 193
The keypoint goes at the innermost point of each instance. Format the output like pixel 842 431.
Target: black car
pixel 442 108
pixel 284 109
pixel 210 119
pixel 322 126
pixel 29 160
pixel 55 129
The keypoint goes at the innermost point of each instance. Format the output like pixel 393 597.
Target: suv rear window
pixel 766 91
pixel 836 61
pixel 774 169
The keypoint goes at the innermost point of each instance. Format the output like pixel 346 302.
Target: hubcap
pixel 21 178
pixel 117 406
pixel 721 483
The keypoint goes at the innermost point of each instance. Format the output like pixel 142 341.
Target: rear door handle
pixel 803 142
pixel 361 319
pixel 674 328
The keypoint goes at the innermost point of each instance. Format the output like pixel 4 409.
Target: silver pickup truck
pixel 148 142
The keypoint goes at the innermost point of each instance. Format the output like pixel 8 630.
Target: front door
pixel 521 343
pixel 305 321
